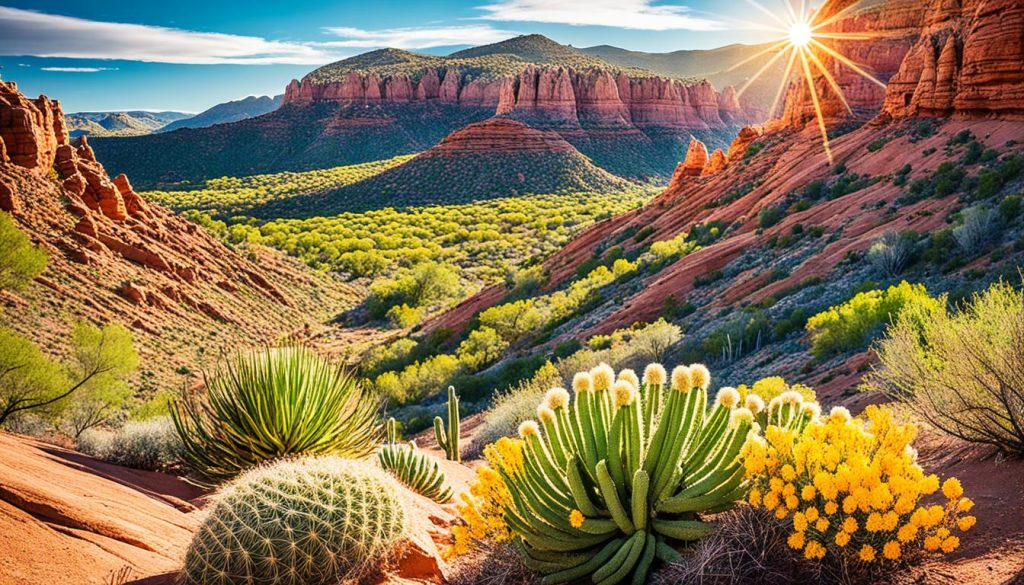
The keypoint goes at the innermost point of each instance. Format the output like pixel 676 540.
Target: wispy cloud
pixel 78 69
pixel 37 34
pixel 633 14
pixel 417 37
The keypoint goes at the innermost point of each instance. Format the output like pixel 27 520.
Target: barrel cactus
pixel 604 484
pixel 417 470
pixel 306 521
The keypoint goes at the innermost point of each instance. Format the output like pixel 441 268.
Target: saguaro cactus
pixel 449 441
pixel 602 485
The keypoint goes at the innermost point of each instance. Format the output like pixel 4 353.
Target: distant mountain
pixel 227 112
pixel 731 65
pixel 127 123
pixel 631 122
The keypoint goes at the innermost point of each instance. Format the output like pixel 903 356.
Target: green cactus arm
pixel 555 443
pixel 720 494
pixel 684 530
pixel 454 426
pixel 602 526
pixel 714 427
pixel 725 455
pixel 690 418
pixel 665 552
pixel 657 443
pixel 587 568
pixel 439 434
pixel 578 489
pixel 599 423
pixel 622 562
pixel 640 484
pixel 633 440
pixel 568 429
pixel 544 525
pixel 549 563
pixel 585 432
pixel 538 452
pixel 546 511
pixel 614 448
pixel 643 566
pixel 611 499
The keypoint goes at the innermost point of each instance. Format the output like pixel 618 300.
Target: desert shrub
pixel 481 347
pixel 404 316
pixel 20 261
pixel 424 285
pixel 88 389
pixel 891 252
pixel 702 280
pixel 979 227
pixel 513 321
pixel 851 491
pixel 308 521
pixel 513 406
pixel 1010 207
pixel 419 379
pixel 962 372
pixel 263 405
pixel 389 356
pixel 769 216
pixel 772 386
pixel 853 324
pixel 149 444
pixel 587 499
pixel 159 404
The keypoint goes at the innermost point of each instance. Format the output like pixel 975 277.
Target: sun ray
pixel 785 25
pixel 785 81
pixel 774 47
pixel 849 63
pixel 837 16
pixel 831 80
pixel 760 72
pixel 817 104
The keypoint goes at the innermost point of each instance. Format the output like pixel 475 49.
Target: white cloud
pixel 47 35
pixel 78 69
pixel 633 14
pixel 418 37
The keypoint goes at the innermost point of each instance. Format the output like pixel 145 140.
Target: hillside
pixel 486 160
pixel 771 233
pixel 130 123
pixel 114 257
pixel 227 112
pixel 390 102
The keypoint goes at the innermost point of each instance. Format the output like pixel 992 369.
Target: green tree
pixel 31 381
pixel 513 321
pixel 20 261
pixel 482 347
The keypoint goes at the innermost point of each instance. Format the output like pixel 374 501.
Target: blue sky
pixel 189 54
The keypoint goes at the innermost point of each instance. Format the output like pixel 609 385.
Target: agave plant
pixel 264 405
pixel 607 483
pixel 417 470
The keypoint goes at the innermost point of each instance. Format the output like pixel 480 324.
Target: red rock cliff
pixel 557 96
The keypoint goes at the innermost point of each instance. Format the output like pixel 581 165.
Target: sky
pixel 188 55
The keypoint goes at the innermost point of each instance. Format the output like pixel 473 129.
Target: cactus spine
pixel 417 470
pixel 602 485
pixel 449 441
pixel 308 521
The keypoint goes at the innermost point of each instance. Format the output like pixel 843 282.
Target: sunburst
pixel 803 41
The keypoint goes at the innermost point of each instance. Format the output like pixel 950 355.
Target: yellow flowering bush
pixel 853 488
pixel 482 509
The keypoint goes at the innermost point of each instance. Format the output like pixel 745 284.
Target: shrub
pixel 851 490
pixel 512 407
pixel 481 347
pixel 309 521
pixel 585 498
pixel 404 316
pixel 853 324
pixel 768 217
pixel 979 226
pixel 101 360
pixel 20 261
pixel 150 444
pixel 419 379
pixel 891 252
pixel 1010 207
pixel 265 405
pixel 962 371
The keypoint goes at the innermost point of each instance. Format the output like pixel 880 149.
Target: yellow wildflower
pixel 952 489
pixel 576 518
pixel 796 540
pixel 867 553
pixel 965 523
pixel 891 550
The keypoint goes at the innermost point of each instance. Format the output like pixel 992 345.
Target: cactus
pixel 449 441
pixel 603 485
pixel 418 471
pixel 308 521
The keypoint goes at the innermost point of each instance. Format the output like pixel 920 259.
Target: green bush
pixel 151 444
pixel 513 406
pixel 853 324
pixel 419 379
pixel 961 371
pixel 265 405
pixel 20 261
pixel 308 521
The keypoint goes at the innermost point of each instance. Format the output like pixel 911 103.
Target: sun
pixel 800 34
pixel 805 40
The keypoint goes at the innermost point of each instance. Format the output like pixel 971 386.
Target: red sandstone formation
pixel 104 242
pixel 558 96
pixel 499 135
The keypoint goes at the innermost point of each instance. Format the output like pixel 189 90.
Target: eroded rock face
pixel 548 95
pixel 968 62
pixel 30 130
pixel 500 135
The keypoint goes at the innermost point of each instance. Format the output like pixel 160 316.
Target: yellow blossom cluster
pixel 482 508
pixel 772 386
pixel 851 486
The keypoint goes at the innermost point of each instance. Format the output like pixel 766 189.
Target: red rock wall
pixel 30 130
pixel 499 135
pixel 553 95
